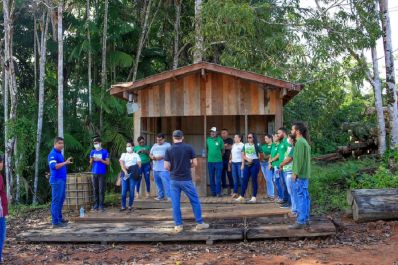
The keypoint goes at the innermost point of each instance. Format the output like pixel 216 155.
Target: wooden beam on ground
pixel 375 207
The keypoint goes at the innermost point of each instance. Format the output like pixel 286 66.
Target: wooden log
pixel 375 207
pixel 368 192
pixel 283 231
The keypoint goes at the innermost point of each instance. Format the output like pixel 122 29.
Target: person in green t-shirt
pixel 266 149
pixel 215 150
pixel 287 167
pixel 301 172
pixel 283 146
pixel 143 151
pixel 273 165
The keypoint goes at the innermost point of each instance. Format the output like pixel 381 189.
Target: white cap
pixel 213 129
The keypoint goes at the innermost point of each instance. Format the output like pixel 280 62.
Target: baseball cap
pixel 213 129
pixel 178 134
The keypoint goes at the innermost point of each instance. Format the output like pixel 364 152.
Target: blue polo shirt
pixel 99 168
pixel 56 157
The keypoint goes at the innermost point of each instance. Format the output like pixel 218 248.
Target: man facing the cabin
pixel 179 160
pixel 58 181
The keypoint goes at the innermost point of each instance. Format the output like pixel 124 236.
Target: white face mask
pixel 97 146
pixel 129 149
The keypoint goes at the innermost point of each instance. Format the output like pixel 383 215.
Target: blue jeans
pixel 188 188
pixel 303 200
pixel 162 181
pixel 2 234
pixel 128 185
pixel 57 199
pixel 286 196
pixel 250 171
pixel 289 184
pixel 215 171
pixel 225 174
pixel 146 171
pixel 276 176
pixel 267 173
pixel 237 175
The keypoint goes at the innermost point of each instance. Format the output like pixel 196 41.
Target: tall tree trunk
pixel 60 71
pixel 10 93
pixel 42 73
pixel 90 100
pixel 198 51
pixel 390 72
pixel 133 71
pixel 103 64
pixel 176 53
pixel 378 103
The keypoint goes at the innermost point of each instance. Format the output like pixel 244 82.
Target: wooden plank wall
pixel 214 94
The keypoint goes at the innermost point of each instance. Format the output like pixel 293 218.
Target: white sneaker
pixel 178 228
pixel 240 199
pixel 202 226
pixel 253 200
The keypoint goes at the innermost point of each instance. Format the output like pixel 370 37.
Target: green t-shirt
pixel 214 149
pixel 250 151
pixel 144 157
pixel 289 153
pixel 282 148
pixel 302 159
pixel 266 149
pixel 274 152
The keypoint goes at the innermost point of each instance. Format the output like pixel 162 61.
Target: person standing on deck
pixel 3 211
pixel 273 165
pixel 282 148
pixel 143 151
pixel 179 160
pixel 226 171
pixel 287 167
pixel 266 149
pixel 99 160
pixel 250 166
pixel 236 163
pixel 215 150
pixel 58 181
pixel 130 163
pixel 301 173
pixel 160 174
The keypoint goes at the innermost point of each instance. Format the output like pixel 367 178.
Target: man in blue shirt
pixel 58 181
pixel 160 174
pixel 179 159
pixel 99 160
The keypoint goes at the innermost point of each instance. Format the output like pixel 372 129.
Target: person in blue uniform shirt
pixel 57 166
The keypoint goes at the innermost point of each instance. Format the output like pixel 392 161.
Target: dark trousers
pixel 99 190
pixel 225 174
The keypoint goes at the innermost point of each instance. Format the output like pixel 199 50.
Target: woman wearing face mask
pixel 130 163
pixel 99 160
pixel 250 166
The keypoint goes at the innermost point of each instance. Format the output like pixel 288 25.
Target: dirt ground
pixel 372 243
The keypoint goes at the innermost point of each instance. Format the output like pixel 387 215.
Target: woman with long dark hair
pixel 250 166
pixel 266 149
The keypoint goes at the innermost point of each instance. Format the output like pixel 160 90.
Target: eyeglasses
pixel 249 137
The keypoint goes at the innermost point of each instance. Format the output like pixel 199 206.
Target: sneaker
pixel 158 198
pixel 94 209
pixel 253 200
pixel 64 221
pixel 2 260
pixel 270 198
pixel 240 199
pixel 202 226
pixel 219 195
pixel 102 209
pixel 178 228
pixel 122 209
pixel 297 226
pixel 284 206
pixel 235 195
pixel 147 196
pixel 168 199
pixel 137 195
pixel 60 225
pixel 130 208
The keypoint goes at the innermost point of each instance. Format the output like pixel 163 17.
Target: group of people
pixel 284 160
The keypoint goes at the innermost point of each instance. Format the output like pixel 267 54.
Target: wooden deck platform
pixel 228 221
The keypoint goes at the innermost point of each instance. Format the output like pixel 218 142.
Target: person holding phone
pixel 57 166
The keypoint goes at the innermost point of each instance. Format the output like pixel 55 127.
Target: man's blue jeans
pixel 225 174
pixel 267 173
pixel 250 171
pixel 57 199
pixel 215 171
pixel 162 181
pixel 276 176
pixel 237 175
pixel 292 195
pixel 128 185
pixel 146 171
pixel 2 234
pixel 303 200
pixel 189 189
pixel 286 194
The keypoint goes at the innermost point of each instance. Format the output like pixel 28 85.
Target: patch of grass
pixel 22 209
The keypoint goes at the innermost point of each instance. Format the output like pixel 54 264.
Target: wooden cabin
pixel 196 97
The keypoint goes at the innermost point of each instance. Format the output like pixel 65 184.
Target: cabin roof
pixel 292 89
